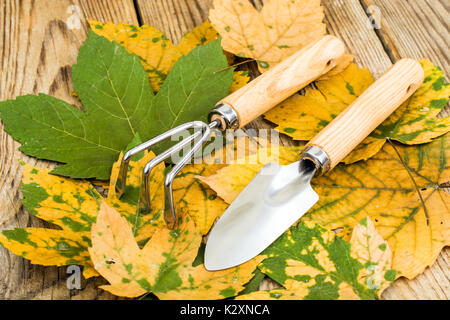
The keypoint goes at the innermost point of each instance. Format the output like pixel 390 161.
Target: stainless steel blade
pixel 275 199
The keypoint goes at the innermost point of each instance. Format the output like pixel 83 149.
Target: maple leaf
pixel 350 192
pixel 163 266
pixel 69 204
pixel 414 122
pixel 115 92
pixel 269 36
pixel 313 263
pixel 73 205
pixel 157 53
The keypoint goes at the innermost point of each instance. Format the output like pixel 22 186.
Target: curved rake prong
pixel 144 197
pixel 170 215
pixel 121 182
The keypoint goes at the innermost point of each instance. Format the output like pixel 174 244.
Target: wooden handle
pixel 284 79
pixel 360 118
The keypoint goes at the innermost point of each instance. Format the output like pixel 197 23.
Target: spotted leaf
pixel 264 36
pixel 414 122
pixel 158 54
pixel 163 266
pixel 310 262
pixel 71 205
pixel 143 225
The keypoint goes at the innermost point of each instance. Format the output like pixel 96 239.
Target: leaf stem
pixel 234 65
pixel 412 178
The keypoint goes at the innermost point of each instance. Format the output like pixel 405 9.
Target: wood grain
pixel 369 110
pixel 348 20
pixel 174 17
pixel 285 79
pixel 37 49
pixel 417 29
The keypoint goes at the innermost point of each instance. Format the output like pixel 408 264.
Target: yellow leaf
pixel 341 64
pixel 143 225
pixel 312 263
pixel 200 35
pixel 240 79
pixel 196 199
pixel 279 30
pixel 382 189
pixel 369 248
pixel 113 256
pixel 163 266
pixel 414 122
pixel 157 53
pixel 302 117
pixel 228 182
pixel 71 205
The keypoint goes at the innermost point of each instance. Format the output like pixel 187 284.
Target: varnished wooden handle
pixel 360 118
pixel 284 79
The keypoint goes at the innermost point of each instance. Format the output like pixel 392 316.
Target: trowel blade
pixel 274 200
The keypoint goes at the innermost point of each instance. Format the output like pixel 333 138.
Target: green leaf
pixel 191 89
pixel 114 89
pixel 319 259
pixel 57 131
pixel 118 104
pixel 254 283
pixel 313 264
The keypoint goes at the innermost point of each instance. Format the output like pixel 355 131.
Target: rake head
pixel 201 134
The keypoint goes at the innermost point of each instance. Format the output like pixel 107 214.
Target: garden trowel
pixel 280 194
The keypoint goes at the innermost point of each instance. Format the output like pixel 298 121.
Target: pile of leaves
pixel 370 226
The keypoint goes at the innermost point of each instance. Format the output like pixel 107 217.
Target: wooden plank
pixel 37 49
pixel 348 21
pixel 432 284
pixel 174 17
pixel 417 30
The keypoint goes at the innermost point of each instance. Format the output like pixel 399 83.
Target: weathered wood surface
pixel 39 44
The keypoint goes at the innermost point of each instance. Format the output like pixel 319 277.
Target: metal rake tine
pixel 121 182
pixel 144 197
pixel 170 215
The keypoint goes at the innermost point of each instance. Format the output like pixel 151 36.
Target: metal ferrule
pixel 317 156
pixel 228 117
